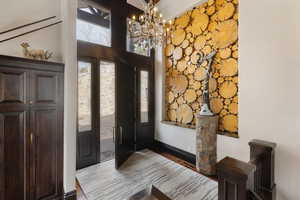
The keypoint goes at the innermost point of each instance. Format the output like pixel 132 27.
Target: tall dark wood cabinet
pixel 31 129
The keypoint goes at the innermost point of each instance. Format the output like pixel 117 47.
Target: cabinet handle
pixel 30 102
pixel 31 138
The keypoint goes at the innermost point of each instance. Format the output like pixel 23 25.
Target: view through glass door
pixel 96 112
pixel 107 110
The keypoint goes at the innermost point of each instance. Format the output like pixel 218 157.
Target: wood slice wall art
pixel 211 26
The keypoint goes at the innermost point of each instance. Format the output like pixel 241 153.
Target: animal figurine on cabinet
pixel 38 54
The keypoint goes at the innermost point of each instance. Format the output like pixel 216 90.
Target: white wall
pixel 269 69
pixel 69 46
pixel 61 40
pixel 15 13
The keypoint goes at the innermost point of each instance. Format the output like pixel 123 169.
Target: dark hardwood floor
pixel 81 195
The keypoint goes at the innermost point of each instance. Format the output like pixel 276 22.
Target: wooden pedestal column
pixel 206 144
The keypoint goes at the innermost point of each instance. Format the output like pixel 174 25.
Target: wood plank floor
pixel 81 195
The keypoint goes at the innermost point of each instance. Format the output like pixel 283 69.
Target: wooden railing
pixel 249 181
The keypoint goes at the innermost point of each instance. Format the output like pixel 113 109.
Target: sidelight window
pixel 144 96
pixel 84 96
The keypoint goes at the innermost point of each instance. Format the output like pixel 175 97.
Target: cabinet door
pixel 14 86
pixel 46 125
pixel 46 88
pixel 14 168
pixel 14 140
pixel 47 160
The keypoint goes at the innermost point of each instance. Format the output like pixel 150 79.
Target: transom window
pixel 93 25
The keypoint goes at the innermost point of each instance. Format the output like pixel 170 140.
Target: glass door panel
pixel 87 145
pixel 107 110
pixel 84 96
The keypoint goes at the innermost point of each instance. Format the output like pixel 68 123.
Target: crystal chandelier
pixel 149 29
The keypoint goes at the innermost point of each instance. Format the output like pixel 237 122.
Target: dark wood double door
pixel 88 140
pixel 131 132
pixel 31 130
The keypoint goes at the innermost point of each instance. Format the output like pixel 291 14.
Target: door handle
pixel 121 135
pixel 114 134
pixel 31 138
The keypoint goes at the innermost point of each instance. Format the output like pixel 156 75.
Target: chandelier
pixel 149 29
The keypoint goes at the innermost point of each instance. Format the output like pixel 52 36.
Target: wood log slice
pixel 235 99
pixel 211 10
pixel 174 106
pixel 228 89
pixel 225 53
pixel 188 51
pixel 230 123
pixel 172 115
pixel 190 96
pixel 233 108
pixel 200 74
pixel 196 13
pixel 195 106
pixel 188 36
pixel 196 85
pixel 191 69
pixel 212 26
pixel 174 73
pixel 208 37
pixel 215 94
pixel 183 21
pixel 200 42
pixel 230 67
pixel 170 97
pixel 178 36
pixel 216 105
pixel 195 57
pixel 212 84
pixel 185 44
pixel 199 24
pixel 169 63
pixel 169 49
pixel 235 54
pixel 226 33
pixel 226 12
pixel 207 50
pixel 177 53
pixel 180 84
pixel 227 101
pixel 185 114
pixel 236 16
pixel 210 2
pixel 180 100
pixel 235 79
pixel 221 80
pixel 220 3
pixel 234 47
pixel 181 65
pixel 204 63
pixel 223 112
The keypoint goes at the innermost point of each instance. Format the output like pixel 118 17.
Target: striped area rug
pixel 104 182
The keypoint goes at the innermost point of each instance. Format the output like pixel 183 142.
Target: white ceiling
pixel 137 3
pixel 169 8
pixel 174 8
